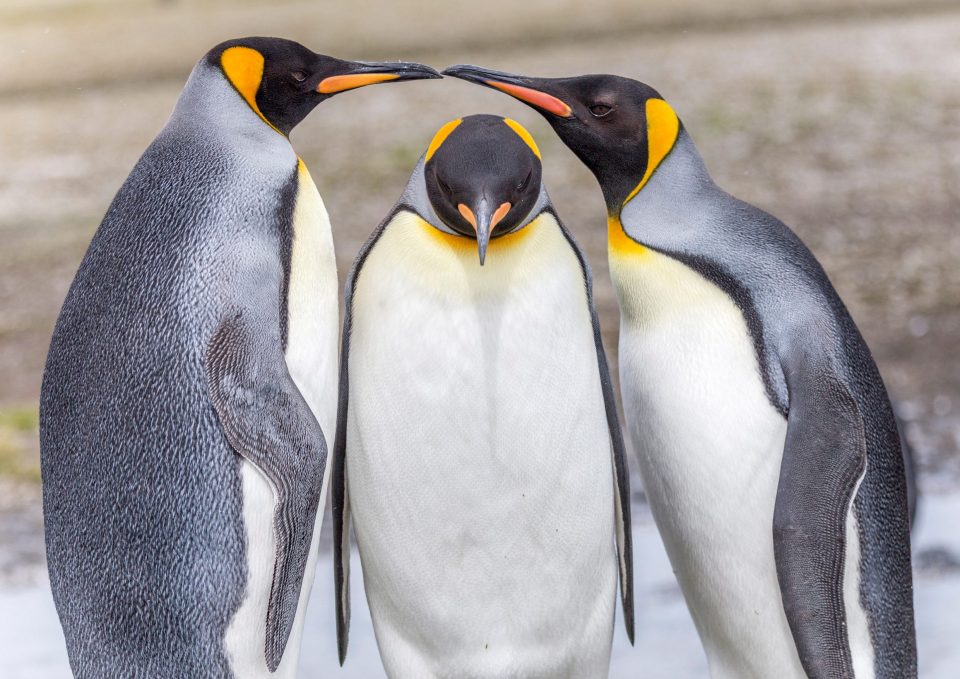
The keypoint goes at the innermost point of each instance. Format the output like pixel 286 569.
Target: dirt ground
pixel 841 118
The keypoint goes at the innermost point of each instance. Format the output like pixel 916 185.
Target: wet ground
pixel 667 646
pixel 845 125
pixel 842 118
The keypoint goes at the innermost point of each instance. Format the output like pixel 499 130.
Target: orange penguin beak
pixel 528 90
pixel 362 73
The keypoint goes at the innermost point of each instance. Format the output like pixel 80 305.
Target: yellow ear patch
pixel 663 126
pixel 523 134
pixel 441 136
pixel 243 67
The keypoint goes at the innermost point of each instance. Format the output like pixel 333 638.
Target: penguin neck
pixel 210 106
pixel 415 198
pixel 663 217
pixel 670 197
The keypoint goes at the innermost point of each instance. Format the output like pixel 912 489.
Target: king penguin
pixel 766 440
pixel 478 448
pixel 191 383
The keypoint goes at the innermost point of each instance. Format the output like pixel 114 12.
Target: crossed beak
pixel 532 91
pixel 361 73
pixel 483 220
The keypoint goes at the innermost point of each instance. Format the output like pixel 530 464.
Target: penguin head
pixel 483 177
pixel 619 128
pixel 282 81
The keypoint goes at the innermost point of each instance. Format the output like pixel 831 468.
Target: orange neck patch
pixel 468 246
pixel 663 127
pixel 243 67
pixel 619 243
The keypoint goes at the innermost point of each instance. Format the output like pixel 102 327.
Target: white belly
pixel 311 356
pixel 479 463
pixel 313 307
pixel 709 445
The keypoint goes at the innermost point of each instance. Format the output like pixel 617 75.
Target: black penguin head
pixel 483 176
pixel 283 81
pixel 619 128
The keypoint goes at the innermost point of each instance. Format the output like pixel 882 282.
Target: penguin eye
pixel 526 180
pixel 600 110
pixel 299 76
pixel 443 186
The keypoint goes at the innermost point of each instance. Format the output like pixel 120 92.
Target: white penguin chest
pixel 479 462
pixel 313 306
pixel 686 352
pixel 709 444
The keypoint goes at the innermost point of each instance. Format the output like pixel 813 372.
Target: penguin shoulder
pixel 400 213
pixel 210 109
pixel 548 216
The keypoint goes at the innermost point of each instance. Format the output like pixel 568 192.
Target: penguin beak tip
pixel 531 91
pixel 414 71
pixel 453 70
pixel 469 73
pixel 424 72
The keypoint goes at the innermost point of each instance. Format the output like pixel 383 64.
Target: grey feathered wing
pixel 268 422
pixel 823 458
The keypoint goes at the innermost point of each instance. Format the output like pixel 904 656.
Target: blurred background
pixel 842 117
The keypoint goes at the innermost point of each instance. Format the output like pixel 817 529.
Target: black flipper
pixel 909 468
pixel 268 422
pixel 340 501
pixel 622 472
pixel 823 458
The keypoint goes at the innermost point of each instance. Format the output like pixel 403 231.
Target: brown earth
pixel 843 119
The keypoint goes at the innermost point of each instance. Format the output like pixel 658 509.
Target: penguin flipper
pixel 341 552
pixel 909 468
pixel 823 459
pixel 618 449
pixel 621 483
pixel 267 421
pixel 340 501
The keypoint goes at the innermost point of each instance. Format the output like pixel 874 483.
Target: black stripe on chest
pixel 286 206
pixel 742 297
